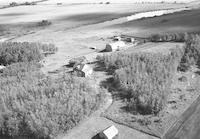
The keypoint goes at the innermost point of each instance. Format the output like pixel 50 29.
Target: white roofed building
pixel 116 46
pixel 109 133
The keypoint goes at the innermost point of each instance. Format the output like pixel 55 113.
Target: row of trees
pixel 12 52
pixel 169 37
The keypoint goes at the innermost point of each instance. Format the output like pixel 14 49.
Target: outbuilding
pixel 1 68
pixel 116 46
pixel 83 70
pixel 109 133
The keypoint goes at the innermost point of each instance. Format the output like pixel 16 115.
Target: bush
pixel 145 79
pixel 12 4
pixel 34 105
pixel 44 23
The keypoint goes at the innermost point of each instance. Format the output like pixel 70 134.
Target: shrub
pixel 44 23
pixel 144 79
pixel 12 4
pixel 34 105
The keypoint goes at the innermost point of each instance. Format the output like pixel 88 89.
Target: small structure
pixel 117 38
pixel 109 133
pixel 116 46
pixel 82 70
pixel 131 40
pixel 1 68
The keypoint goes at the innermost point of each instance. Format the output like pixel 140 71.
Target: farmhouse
pixel 116 46
pixel 109 133
pixel 82 70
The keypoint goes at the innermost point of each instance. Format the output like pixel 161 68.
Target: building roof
pixel 115 46
pixel 2 67
pixel 110 132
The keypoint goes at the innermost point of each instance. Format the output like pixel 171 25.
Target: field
pixel 178 22
pixel 75 28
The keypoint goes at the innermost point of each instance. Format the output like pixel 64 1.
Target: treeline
pixel 169 37
pixel 12 52
pixel 192 48
pixel 144 78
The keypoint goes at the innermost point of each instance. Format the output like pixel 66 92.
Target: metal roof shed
pixel 109 133
pixel 116 46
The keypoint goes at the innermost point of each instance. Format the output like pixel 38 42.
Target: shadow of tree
pixel 96 137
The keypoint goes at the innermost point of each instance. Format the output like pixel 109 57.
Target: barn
pixel 109 133
pixel 116 46
pixel 83 70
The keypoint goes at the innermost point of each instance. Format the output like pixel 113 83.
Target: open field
pixel 87 12
pixel 2 2
pixel 186 21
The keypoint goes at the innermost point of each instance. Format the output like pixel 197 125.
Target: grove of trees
pixel 145 78
pixel 35 105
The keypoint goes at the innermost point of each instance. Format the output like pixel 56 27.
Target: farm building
pixel 82 70
pixel 131 40
pixel 117 38
pixel 116 46
pixel 109 133
pixel 1 68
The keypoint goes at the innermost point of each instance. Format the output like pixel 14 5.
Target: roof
pixel 86 68
pixel 115 46
pixel 2 67
pixel 110 132
pixel 117 43
pixel 83 67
